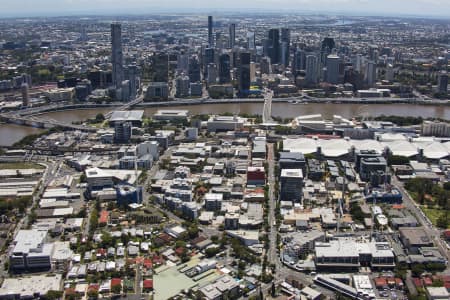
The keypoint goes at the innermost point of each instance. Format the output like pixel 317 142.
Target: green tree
pixel 212 251
pixel 446 186
pixel 52 295
pixel 417 269
pixel 99 118
pixel 92 294
pixel 116 289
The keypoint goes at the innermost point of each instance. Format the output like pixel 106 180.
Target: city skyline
pixel 27 8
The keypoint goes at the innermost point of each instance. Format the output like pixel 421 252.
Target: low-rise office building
pixel 351 254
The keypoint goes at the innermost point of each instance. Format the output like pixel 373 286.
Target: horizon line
pixel 243 11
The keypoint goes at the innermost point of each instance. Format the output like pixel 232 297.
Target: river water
pixel 10 133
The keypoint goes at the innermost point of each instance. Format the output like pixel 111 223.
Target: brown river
pixel 10 133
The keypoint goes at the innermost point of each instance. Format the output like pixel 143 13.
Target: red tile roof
pixel 427 281
pixel 94 286
pixel 103 217
pixel 116 281
pixel 148 264
pixel 148 284
pixel 381 281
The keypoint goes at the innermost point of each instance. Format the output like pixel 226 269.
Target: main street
pixel 281 271
pixel 272 234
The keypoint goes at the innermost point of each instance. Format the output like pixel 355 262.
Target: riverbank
pixel 11 133
pixel 287 100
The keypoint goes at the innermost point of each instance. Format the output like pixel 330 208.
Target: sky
pixel 26 8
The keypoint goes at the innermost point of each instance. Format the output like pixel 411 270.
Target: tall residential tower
pixel 117 54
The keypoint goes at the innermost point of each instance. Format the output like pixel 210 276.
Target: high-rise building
pixel 328 45
pixel 157 91
pixel 273 45
pixel 194 69
pixel 182 63
pixel 25 95
pixel 160 67
pixel 291 183
pixel 390 72
pixel 251 42
pixel 371 73
pixel 224 68
pixel 212 73
pixel 285 46
pixel 312 69
pixel 443 82
pixel 299 62
pixel 131 75
pixel 83 90
pixel 196 89
pixel 232 37
pixel 117 54
pixel 244 72
pixel 182 86
pixel 333 66
pixel 27 79
pixel 208 58
pixel 125 91
pixel 265 65
pixel 359 63
pixel 210 32
pixel 252 72
pixel 122 132
pixel 373 52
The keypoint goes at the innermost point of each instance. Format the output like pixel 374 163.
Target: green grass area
pixel 20 165
pixel 432 214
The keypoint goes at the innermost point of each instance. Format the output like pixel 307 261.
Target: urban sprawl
pixel 181 205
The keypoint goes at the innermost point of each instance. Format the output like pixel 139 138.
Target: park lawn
pixel 20 165
pixel 432 213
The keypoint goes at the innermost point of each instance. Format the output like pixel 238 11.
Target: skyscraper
pixel 251 43
pixel 182 63
pixel 443 82
pixel 117 54
pixel 208 58
pixel 285 45
pixel 311 69
pixel 371 73
pixel 244 72
pixel 265 65
pixel 212 73
pixel 299 62
pixel 232 30
pixel 328 45
pixel 25 95
pixel 182 85
pixel 333 66
pixel 224 68
pixel 390 72
pixel 210 32
pixel 273 45
pixel 132 77
pixel 194 69
pixel 160 64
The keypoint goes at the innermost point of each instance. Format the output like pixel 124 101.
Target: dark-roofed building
pixel 408 221
pixel 414 238
pixel 292 160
